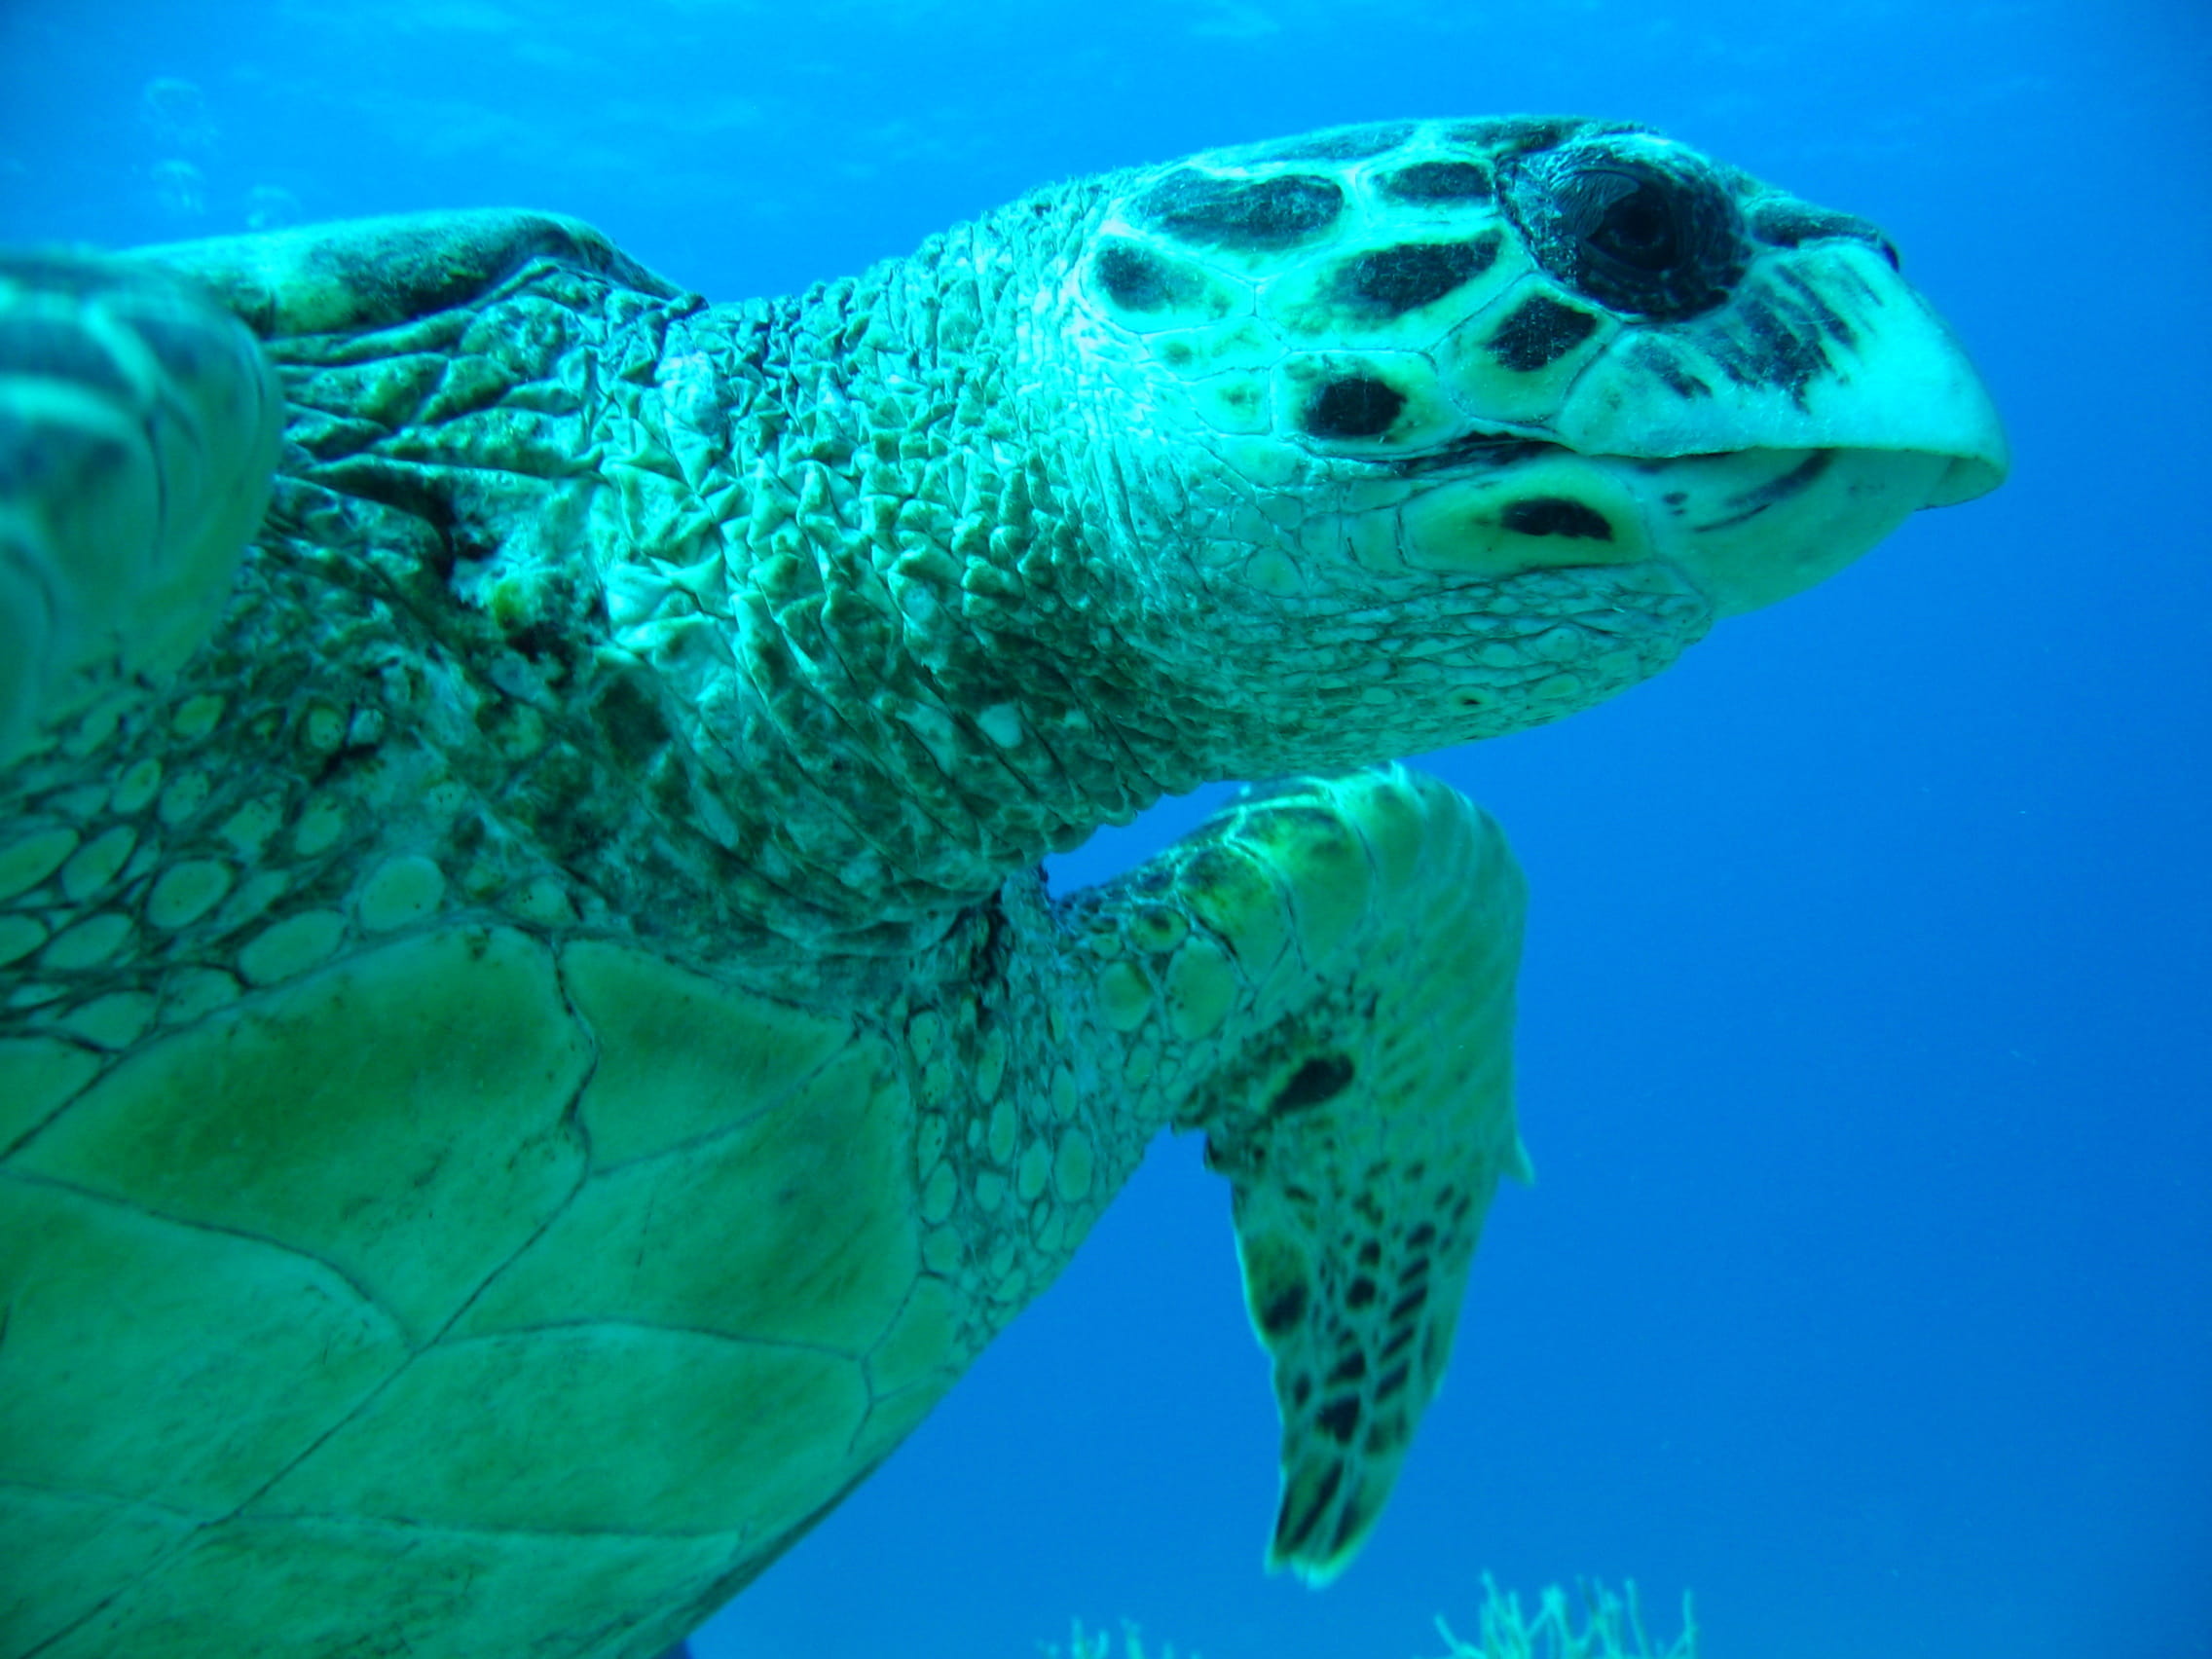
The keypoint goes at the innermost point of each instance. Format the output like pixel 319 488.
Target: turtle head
pixel 1528 401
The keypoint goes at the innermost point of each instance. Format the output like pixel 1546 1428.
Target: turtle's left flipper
pixel 138 428
pixel 1322 980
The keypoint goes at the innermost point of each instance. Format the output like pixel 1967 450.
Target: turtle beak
pixel 1776 438
pixel 1824 346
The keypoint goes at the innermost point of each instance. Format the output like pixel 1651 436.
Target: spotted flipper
pixel 138 427
pixel 1332 991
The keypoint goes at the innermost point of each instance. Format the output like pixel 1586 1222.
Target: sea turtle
pixel 535 1047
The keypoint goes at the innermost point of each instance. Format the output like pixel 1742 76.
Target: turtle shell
pixel 366 1194
pixel 589 1277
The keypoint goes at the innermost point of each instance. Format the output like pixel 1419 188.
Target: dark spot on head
pixel 1320 1079
pixel 1391 1380
pixel 1416 1267
pixel 1438 181
pixel 1672 373
pixel 1284 1309
pixel 1370 1253
pixel 1772 341
pixel 1540 331
pixel 1397 1343
pixel 1334 144
pixel 1408 1305
pixel 1807 295
pixel 1361 1292
pixel 1263 213
pixel 1339 1419
pixel 1392 280
pixel 1783 222
pixel 1357 406
pixel 1422 1237
pixel 1557 515
pixel 1301 1389
pixel 1138 280
pixel 1351 1368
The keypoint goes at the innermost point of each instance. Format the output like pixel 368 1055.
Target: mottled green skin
pixel 542 1045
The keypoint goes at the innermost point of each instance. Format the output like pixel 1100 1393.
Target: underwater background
pixel 1866 1284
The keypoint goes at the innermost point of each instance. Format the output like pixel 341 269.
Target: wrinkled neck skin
pixel 904 662
pixel 968 606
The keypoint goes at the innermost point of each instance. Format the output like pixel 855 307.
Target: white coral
pixel 1612 1628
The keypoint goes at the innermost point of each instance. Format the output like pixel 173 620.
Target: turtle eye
pixel 1624 215
pixel 1653 234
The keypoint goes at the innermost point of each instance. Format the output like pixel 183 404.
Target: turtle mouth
pixel 1486 448
pixel 1469 449
pixel 1744 527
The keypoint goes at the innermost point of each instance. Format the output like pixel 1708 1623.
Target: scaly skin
pixel 564 954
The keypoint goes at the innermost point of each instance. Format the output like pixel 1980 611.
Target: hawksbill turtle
pixel 535 1044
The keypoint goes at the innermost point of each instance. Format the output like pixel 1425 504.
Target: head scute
pixel 1438 181
pixel 1784 221
pixel 1260 215
pixel 1331 144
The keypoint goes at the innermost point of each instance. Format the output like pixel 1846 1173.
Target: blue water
pixel 1866 1287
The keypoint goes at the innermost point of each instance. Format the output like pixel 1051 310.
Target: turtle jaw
pixel 1743 529
pixel 1824 347
pixel 1766 445
pixel 1761 525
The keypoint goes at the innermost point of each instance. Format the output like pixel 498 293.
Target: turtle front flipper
pixel 1323 980
pixel 139 430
